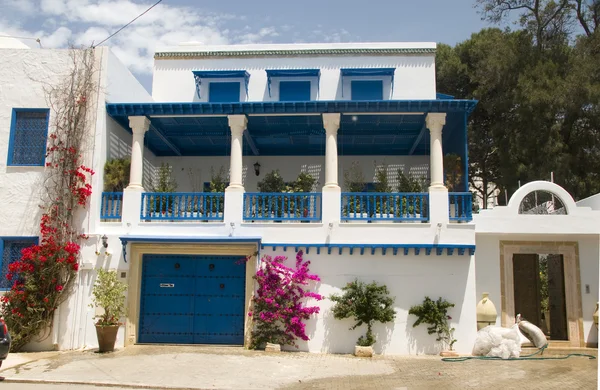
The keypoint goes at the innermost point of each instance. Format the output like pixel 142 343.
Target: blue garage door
pixel 192 299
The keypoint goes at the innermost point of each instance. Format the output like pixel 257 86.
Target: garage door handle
pixel 167 285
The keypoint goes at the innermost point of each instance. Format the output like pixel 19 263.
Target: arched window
pixel 542 203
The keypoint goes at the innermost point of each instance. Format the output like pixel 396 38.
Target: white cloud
pixel 87 22
pixel 58 38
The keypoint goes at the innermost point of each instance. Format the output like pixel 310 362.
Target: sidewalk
pixel 206 367
pixel 190 367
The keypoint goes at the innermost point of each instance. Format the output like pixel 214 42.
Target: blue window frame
pixel 10 248
pixel 224 92
pixel 294 91
pixel 28 136
pixel 367 89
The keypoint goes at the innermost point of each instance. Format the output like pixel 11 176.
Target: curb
pixel 104 384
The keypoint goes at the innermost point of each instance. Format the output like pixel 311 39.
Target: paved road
pixel 201 367
pixel 43 386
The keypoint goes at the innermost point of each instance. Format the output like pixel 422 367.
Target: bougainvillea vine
pixel 279 304
pixel 44 275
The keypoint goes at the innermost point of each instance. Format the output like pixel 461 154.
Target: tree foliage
pixel 109 294
pixel 435 314
pixel 367 304
pixel 539 96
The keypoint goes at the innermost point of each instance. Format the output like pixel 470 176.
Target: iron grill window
pixel 28 137
pixel 11 253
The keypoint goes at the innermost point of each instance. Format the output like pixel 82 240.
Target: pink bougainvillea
pixel 280 303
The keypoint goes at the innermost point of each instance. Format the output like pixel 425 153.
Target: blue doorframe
pixel 192 299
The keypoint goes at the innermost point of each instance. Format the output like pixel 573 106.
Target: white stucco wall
pixel 22 74
pixel 592 202
pixel 414 77
pixel 409 279
pixel 191 172
pixel 503 223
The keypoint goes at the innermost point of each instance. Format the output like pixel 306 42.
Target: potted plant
pixel 217 185
pixel 435 314
pixel 163 183
pixel 410 185
pixel 299 206
pixel 367 304
pixel 116 178
pixel 354 182
pixel 271 183
pixel 109 294
pixel 383 207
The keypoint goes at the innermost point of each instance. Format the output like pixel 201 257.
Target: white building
pixel 315 109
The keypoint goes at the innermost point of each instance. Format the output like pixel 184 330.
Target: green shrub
pixel 435 314
pixel 367 304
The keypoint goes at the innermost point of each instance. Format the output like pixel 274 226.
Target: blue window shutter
pixel 367 89
pixel 294 91
pixel 11 252
pixel 224 92
pixel 28 137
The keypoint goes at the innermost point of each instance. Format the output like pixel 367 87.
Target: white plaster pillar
pixel 438 193
pixel 331 124
pixel 331 193
pixel 132 195
pixel 139 125
pixel 435 123
pixel 237 124
pixel 234 193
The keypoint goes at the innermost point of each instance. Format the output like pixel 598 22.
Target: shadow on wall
pixel 117 148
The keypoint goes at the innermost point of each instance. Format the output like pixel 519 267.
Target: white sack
pixel 496 341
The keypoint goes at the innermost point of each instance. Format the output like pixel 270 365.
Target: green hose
pixel 524 357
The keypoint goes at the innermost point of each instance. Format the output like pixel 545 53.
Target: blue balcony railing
pixel 378 206
pixel 111 206
pixel 182 206
pixel 296 207
pixel 460 206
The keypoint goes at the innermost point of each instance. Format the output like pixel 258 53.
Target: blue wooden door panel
pixel 167 299
pixel 192 299
pixel 219 303
pixel 367 89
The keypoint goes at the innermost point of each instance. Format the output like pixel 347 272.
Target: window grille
pixel 11 253
pixel 28 137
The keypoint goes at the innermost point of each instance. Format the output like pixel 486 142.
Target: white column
pixel 438 193
pixel 132 195
pixel 139 125
pixel 331 124
pixel 435 123
pixel 332 193
pixel 237 124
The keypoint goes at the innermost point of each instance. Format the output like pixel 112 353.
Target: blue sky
pixel 60 22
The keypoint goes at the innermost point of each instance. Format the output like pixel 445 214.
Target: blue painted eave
pixel 184 239
pixel 308 107
pixel 395 249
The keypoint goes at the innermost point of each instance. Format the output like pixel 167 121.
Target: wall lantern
pixel 104 241
pixel 257 168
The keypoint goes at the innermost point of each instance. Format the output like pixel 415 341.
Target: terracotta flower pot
pixel 107 336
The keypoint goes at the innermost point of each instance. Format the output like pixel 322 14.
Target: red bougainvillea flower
pixel 59 288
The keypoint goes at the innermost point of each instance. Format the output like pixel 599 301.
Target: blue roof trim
pixel 316 107
pixel 181 239
pixel 443 96
pixel 292 73
pixel 395 248
pixel 220 74
pixel 368 71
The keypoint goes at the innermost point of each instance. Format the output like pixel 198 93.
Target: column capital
pixel 435 120
pixel 331 122
pixel 139 124
pixel 237 122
